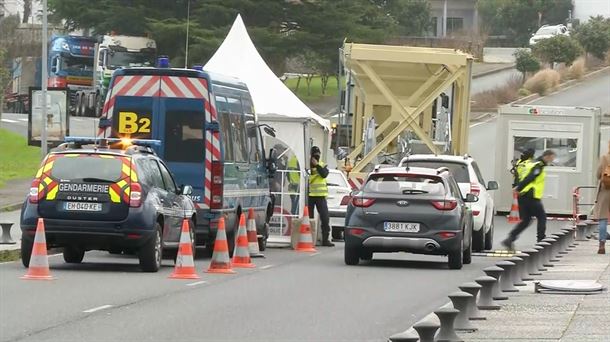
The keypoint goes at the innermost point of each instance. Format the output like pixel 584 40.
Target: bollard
pixel 506 281
pixel 406 336
pixel 447 318
pixel 473 311
pixel 486 301
pixel 572 238
pixel 532 265
pixel 426 330
pixel 565 243
pixel 548 252
pixel 496 272
pixel 540 260
pixel 591 225
pixel 460 301
pixel 560 236
pixel 515 274
pixel 545 254
pixel 581 227
pixel 554 248
pixel 6 234
pixel 524 269
pixel 528 257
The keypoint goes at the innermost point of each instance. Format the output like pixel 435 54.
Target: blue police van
pixel 210 139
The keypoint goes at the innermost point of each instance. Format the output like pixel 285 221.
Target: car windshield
pixel 118 59
pixel 547 30
pixel 458 170
pixel 76 64
pixel 336 179
pixel 87 168
pixel 404 184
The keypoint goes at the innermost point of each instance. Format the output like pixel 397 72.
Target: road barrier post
pixel 496 273
pixel 460 301
pixel 540 260
pixel 516 271
pixel 6 234
pixel 527 259
pixel 486 301
pixel 506 280
pixel 426 330
pixel 581 228
pixel 473 311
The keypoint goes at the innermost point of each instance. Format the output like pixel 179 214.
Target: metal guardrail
pixel 576 201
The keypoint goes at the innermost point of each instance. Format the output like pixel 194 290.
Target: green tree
pixel 4 77
pixel 594 36
pixel 411 17
pixel 519 19
pixel 558 49
pixel 526 62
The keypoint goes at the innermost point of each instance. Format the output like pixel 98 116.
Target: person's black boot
pixel 508 244
pixel 326 243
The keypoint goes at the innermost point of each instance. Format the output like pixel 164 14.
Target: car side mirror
pixel 186 190
pixel 492 185
pixel 471 198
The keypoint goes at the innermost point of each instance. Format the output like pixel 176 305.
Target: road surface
pixel 289 296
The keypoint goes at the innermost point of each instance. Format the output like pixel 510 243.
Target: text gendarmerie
pixel 80 187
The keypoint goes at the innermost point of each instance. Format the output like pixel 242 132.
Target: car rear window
pixel 335 179
pixel 458 170
pixel 88 168
pixel 403 184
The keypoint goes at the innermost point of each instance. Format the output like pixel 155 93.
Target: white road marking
pixel 9 121
pixel 266 267
pixel 482 122
pixel 22 119
pixel 77 119
pixel 103 307
pixel 314 254
pixel 197 283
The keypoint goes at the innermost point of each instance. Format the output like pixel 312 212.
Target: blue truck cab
pixel 210 139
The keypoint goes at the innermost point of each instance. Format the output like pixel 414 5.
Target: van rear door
pixel 182 125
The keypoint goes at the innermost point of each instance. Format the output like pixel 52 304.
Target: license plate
pixel 401 227
pixel 83 206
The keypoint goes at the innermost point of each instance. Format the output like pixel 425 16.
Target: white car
pixel 338 198
pixel 468 176
pixel 549 31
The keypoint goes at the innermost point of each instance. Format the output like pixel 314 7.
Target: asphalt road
pixel 289 296
pixel 79 126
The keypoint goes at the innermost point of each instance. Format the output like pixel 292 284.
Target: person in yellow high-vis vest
pixel 318 191
pixel 520 166
pixel 531 190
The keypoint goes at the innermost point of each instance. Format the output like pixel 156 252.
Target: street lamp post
pixel 43 118
pixel 188 19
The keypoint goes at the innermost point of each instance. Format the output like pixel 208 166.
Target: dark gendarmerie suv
pixel 416 210
pixel 93 197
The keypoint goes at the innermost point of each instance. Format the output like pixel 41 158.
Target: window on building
pixel 455 24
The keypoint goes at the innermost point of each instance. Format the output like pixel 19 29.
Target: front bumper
pixel 425 243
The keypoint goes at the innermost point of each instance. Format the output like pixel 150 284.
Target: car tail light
pixel 476 212
pixel 217 188
pixel 475 189
pixel 445 205
pixel 446 235
pixel 33 198
pixel 135 195
pixel 345 200
pixel 57 82
pixel 362 202
pixel 356 231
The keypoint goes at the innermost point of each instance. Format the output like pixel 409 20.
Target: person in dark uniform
pixel 531 190
pixel 318 191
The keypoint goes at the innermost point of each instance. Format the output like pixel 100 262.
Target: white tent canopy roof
pixel 238 57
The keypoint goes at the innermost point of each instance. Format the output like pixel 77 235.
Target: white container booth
pixel 572 132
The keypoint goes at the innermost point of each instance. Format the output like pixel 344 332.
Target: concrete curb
pixel 493 71
pixel 562 86
pixel 11 207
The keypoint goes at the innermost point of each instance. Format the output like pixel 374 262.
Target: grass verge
pixel 315 90
pixel 10 255
pixel 17 159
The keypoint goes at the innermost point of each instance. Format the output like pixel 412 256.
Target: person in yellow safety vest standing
pixel 294 179
pixel 531 190
pixel 519 170
pixel 318 191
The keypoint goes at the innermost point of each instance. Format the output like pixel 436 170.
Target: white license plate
pixel 83 206
pixel 401 227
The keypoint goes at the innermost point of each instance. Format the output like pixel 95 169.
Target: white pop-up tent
pixel 297 126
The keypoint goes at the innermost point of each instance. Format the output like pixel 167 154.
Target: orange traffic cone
pixel 305 243
pixel 185 264
pixel 252 237
pixel 39 262
pixel 221 263
pixel 513 217
pixel 241 255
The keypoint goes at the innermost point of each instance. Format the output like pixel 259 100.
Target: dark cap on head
pixel 528 153
pixel 315 150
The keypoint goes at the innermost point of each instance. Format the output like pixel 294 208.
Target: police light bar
pixel 95 141
pixel 163 62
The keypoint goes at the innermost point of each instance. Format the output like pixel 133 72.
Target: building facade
pixel 450 17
